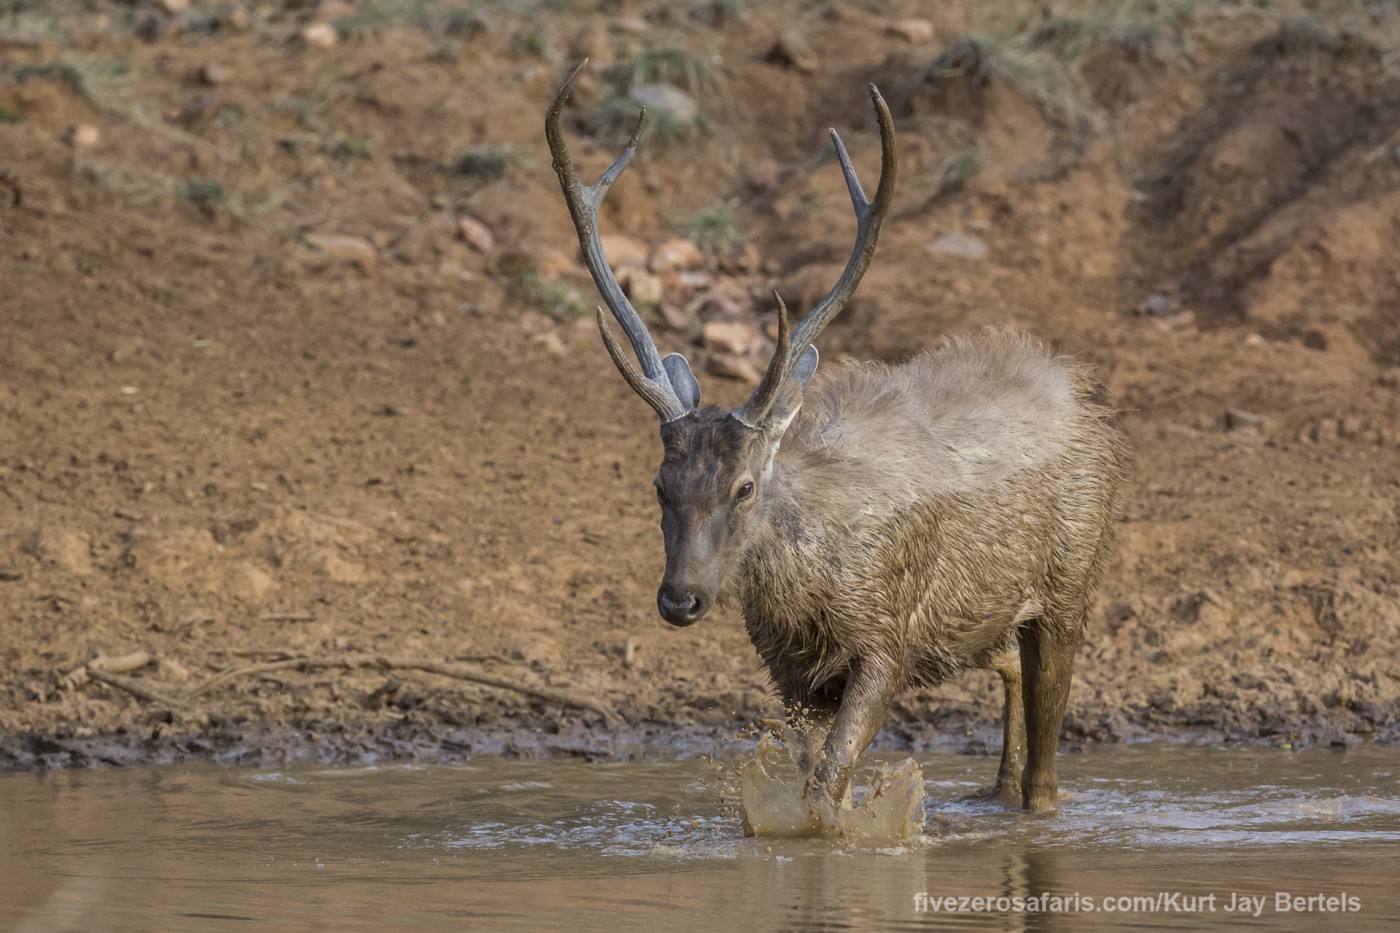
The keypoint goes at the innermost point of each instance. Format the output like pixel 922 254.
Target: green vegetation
pixel 1304 33
pixel 715 229
pixel 9 116
pixel 665 64
pixel 353 147
pixel 1041 78
pixel 203 192
pixel 464 22
pixel 615 118
pixel 229 115
pixel 363 23
pixel 491 162
pixel 719 12
pixel 957 168
pixel 559 300
pixel 1141 27
pixel 100 81
pixel 528 42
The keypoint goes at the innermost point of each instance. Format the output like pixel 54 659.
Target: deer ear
pixel 790 396
pixel 682 380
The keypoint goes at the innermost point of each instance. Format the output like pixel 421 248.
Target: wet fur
pixel 924 512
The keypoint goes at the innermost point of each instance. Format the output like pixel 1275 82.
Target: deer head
pixel 715 484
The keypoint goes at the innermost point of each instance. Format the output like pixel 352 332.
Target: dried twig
pixel 135 687
pixel 103 670
pixel 392 663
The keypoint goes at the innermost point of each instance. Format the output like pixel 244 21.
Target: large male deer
pixel 886 527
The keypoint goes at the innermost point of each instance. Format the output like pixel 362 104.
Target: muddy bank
pixel 298 361
pixel 426 738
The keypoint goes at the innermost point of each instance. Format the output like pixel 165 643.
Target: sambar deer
pixel 887 526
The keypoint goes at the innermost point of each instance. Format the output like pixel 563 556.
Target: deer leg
pixel 864 707
pixel 810 723
pixel 1013 741
pixel 1047 664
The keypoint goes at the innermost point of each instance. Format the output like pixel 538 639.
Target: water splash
pixel 772 788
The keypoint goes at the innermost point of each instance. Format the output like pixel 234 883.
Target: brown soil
pixel 222 446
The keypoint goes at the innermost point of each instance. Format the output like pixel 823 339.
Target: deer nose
pixel 680 609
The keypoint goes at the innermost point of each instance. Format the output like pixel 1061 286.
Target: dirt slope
pixel 264 396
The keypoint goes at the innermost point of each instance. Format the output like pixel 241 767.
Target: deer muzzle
pixel 680 605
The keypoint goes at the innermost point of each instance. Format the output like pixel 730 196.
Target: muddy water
pixel 509 845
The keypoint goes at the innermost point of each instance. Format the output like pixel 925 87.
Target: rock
pixel 1327 431
pixel 641 286
pixel 916 31
pixel 213 74
pixel 476 234
pixel 734 337
pixel 762 175
pixel 328 11
pixel 733 367
pixel 692 280
pixel 249 583
pixel 674 316
pixel 320 35
pixel 84 136
pixel 1182 323
pixel 551 343
pixel 1237 420
pixel 668 99
pixel 342 246
pixel 1353 426
pixel 633 24
pixel 172 671
pixel 1390 378
pixel 790 50
pixel 747 259
pixel 959 244
pixel 717 305
pixel 543 261
pixel 623 250
pixel 676 253
pixel 340 570
pixel 1159 305
pixel 173 7
pixel 68 550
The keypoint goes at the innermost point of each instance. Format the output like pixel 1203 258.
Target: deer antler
pixel 869 216
pixel 652 382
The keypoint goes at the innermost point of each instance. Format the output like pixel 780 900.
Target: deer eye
pixel 744 492
pixel 661 497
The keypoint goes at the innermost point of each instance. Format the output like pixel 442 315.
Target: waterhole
pixel 1146 837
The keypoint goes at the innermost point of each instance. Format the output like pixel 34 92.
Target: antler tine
pixel 646 388
pixel 651 382
pixel 778 368
pixel 869 216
